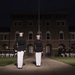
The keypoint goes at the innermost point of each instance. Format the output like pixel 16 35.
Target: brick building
pixel 54 30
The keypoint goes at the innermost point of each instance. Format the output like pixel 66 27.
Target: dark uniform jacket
pixel 20 44
pixel 38 46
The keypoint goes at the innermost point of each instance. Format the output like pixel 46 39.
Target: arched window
pixel 61 35
pixel 16 34
pixel 48 35
pixel 61 46
pixel 30 35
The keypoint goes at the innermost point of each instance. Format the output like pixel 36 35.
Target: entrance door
pixel 48 50
pixel 30 50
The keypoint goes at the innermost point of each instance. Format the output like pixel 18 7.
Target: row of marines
pixel 20 46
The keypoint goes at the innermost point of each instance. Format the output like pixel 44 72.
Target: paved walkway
pixel 48 67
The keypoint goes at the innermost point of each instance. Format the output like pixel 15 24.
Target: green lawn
pixel 7 60
pixel 68 60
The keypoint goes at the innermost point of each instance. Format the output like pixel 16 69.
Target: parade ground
pixel 48 67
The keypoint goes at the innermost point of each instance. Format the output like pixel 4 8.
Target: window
pixel 5 37
pixel 16 34
pixel 48 23
pixel 30 23
pixel 30 35
pixel 58 23
pixel 62 23
pixel 48 35
pixel 61 35
pixel 17 23
pixel 73 36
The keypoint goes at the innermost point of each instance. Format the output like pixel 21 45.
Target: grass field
pixel 9 60
pixel 6 61
pixel 67 60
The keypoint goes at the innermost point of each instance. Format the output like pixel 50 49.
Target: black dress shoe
pixel 20 68
pixel 23 63
pixel 37 65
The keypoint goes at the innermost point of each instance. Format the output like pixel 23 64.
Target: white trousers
pixel 20 59
pixel 38 58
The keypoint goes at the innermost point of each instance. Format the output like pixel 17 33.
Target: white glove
pixel 15 50
pixel 24 50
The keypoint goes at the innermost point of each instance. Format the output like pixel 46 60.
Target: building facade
pixel 54 30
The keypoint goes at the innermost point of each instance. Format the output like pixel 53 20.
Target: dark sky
pixel 7 7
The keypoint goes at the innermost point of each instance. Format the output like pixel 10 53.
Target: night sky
pixel 8 7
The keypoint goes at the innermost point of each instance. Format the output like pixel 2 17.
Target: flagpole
pixel 38 16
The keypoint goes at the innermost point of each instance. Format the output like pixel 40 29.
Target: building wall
pixel 4 40
pixel 54 29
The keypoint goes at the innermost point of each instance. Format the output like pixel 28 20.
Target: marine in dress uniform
pixel 21 47
pixel 38 49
